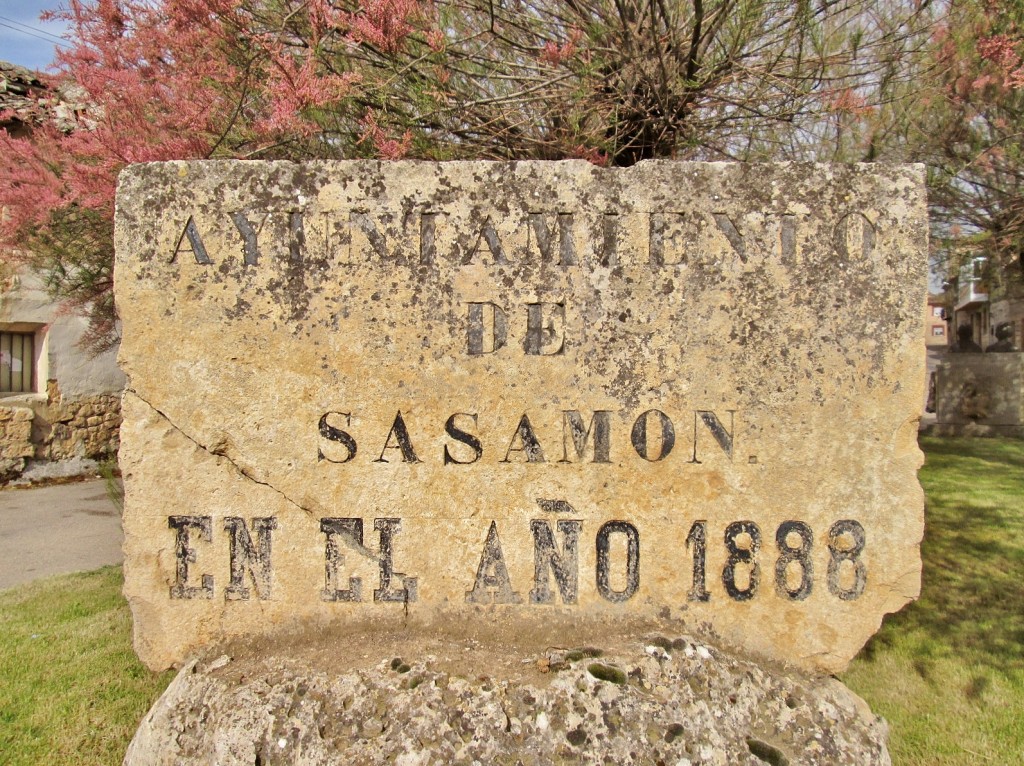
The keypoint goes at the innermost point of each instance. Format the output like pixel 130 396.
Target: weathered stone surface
pixel 980 395
pixel 695 404
pixel 15 440
pixel 660 700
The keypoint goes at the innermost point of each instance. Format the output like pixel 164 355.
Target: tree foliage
pixel 975 148
pixel 611 81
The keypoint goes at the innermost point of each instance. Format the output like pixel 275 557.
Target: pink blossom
pixel 386 145
pixel 294 85
pixel 435 40
pixel 384 24
pixel 590 154
pixel 555 54
pixel 848 101
pixel 1000 50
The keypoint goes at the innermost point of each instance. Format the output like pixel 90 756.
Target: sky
pixel 24 39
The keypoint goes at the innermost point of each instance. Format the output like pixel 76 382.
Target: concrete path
pixel 61 528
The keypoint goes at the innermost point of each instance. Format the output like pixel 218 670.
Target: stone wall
pixel 57 429
pixel 86 427
pixel 15 440
pixel 980 395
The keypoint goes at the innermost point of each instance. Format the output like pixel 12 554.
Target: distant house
pixel 58 403
pixel 936 328
pixel 972 305
pixel 984 300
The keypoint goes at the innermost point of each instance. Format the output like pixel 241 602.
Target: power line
pixel 25 29
pixel 30 28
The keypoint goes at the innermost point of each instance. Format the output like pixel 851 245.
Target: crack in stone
pixel 238 468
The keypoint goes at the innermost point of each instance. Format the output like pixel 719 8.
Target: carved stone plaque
pixel 521 396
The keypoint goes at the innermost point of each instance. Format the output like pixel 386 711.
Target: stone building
pixel 58 401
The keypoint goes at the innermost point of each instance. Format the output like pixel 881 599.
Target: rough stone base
pixel 361 700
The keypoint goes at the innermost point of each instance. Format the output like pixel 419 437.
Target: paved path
pixel 61 528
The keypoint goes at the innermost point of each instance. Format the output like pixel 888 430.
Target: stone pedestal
pixel 416 701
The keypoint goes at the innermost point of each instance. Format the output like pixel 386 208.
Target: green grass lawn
pixel 947 672
pixel 71 689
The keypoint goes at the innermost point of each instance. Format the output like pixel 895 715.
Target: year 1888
pixel 793 568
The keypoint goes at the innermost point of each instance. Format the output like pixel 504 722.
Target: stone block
pixel 396 395
pixel 980 394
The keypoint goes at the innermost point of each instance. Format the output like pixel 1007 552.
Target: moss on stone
pixel 606 673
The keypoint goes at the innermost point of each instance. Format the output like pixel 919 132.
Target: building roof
pixel 22 97
pixel 27 100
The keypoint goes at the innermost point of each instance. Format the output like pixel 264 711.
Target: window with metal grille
pixel 17 362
